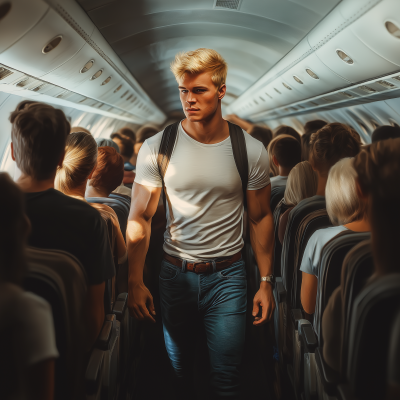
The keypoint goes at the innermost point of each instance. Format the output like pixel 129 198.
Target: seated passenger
pixel 385 132
pixel 128 133
pixel 78 167
pixel 328 145
pixel 378 170
pixel 103 142
pixel 287 130
pixel 79 129
pixel 26 329
pixel 302 183
pixel 145 132
pixel 286 153
pixel 309 128
pixel 38 135
pixel 347 211
pixel 106 177
pixel 126 151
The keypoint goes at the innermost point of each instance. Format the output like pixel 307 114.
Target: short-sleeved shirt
pixel 278 180
pixel 204 193
pixel 312 253
pixel 61 222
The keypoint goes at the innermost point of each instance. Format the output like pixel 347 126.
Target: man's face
pixel 199 97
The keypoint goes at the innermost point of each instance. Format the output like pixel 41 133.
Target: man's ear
pixel 221 92
pixel 12 151
pixel 275 161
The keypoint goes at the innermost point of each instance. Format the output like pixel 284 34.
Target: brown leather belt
pixel 204 267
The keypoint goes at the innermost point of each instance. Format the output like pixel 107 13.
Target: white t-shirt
pixel 278 180
pixel 312 252
pixel 204 193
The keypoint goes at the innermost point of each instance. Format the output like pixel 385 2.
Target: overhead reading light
pixel 344 57
pixel 96 75
pixel 4 9
pixel 106 81
pixel 393 29
pixel 87 66
pixel 52 44
pixel 345 94
pixel 297 79
pixel 4 72
pixel 386 84
pixel 367 89
pixel 277 91
pixel 312 73
pixel 118 88
pixel 286 86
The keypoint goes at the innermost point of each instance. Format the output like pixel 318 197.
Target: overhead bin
pixel 17 17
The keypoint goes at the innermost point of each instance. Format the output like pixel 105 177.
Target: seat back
pixel 374 312
pixel 277 194
pixel 59 278
pixel 279 210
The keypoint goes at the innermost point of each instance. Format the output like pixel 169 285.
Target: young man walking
pixel 203 278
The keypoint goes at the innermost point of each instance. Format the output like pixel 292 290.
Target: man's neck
pixel 284 171
pixel 78 191
pixel 210 131
pixel 361 225
pixel 322 179
pixel 95 192
pixel 28 184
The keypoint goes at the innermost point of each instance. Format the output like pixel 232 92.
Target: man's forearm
pixel 138 237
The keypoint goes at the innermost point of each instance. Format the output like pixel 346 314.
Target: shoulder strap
pixel 239 150
pixel 165 151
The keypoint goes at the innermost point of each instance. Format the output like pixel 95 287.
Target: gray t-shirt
pixel 278 180
pixel 204 193
pixel 312 252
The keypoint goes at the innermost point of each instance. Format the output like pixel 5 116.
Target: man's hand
pixel 264 298
pixel 140 302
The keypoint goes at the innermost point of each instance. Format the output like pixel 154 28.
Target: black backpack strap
pixel 165 151
pixel 240 155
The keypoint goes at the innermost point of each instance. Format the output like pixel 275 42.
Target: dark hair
pixel 264 135
pixel 288 130
pixel 332 143
pixel 109 171
pixel 125 145
pixel 314 126
pixel 288 152
pixel 145 132
pixel 378 170
pixel 25 103
pixel 305 145
pixel 13 229
pixel 385 132
pixel 128 132
pixel 103 142
pixel 38 135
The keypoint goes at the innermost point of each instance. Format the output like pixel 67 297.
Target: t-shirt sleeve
pixel 147 173
pixel 310 257
pixel 37 339
pixel 259 171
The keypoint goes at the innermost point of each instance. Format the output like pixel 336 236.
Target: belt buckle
pixel 194 266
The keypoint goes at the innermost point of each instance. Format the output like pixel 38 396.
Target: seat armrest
pixel 104 336
pixel 308 337
pixel 345 392
pixel 329 377
pixel 297 315
pixel 93 371
pixel 280 291
pixel 120 306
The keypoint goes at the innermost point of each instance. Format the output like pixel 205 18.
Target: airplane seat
pixel 277 194
pixel 330 271
pixel 374 311
pixel 393 365
pixel 59 278
pixel 284 287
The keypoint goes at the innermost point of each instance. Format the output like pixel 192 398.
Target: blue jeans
pixel 217 300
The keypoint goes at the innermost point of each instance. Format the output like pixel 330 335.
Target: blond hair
pixel 302 183
pixel 272 167
pixel 342 202
pixel 79 161
pixel 198 61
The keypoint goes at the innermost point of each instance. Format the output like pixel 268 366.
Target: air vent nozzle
pixel 277 91
pixel 96 75
pixel 118 88
pixel 286 86
pixel 344 57
pixel 52 44
pixel 393 29
pixel 312 73
pixel 229 4
pixel 106 81
pixel 87 66
pixel 297 79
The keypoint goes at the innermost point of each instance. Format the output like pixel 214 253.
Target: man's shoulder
pixel 254 147
pixel 154 142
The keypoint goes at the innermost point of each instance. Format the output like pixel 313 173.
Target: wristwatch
pixel 268 278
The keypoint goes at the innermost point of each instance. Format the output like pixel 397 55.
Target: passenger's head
pixel 314 126
pixel 14 230
pixel 286 153
pixel 102 142
pixel 38 137
pixel 201 76
pixel 271 148
pixel 287 130
pixel 79 163
pixel 79 129
pixel 144 132
pixel 301 184
pixel 385 132
pixel 264 135
pixel 378 170
pixel 109 171
pixel 125 146
pixel 332 143
pixel 343 203
pixel 309 128
pixel 25 103
pixel 128 133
